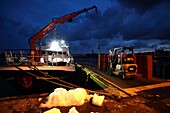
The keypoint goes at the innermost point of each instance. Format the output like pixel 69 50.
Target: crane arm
pixel 47 29
pixel 40 35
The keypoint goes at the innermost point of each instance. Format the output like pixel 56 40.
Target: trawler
pixel 56 53
pixel 42 60
pixel 55 62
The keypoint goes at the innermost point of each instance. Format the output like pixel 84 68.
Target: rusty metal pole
pixel 99 63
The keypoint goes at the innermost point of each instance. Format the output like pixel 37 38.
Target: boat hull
pixel 29 77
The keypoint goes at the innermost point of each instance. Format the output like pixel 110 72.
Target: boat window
pixel 55 52
pixel 59 53
pixel 64 53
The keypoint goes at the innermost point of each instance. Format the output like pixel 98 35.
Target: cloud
pixel 152 24
pixel 126 21
pixel 141 5
pixel 7 23
pixel 15 34
pixel 28 30
pixel 84 46
pixel 138 23
pixel 123 26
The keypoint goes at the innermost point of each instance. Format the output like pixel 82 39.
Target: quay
pixel 136 95
pixel 129 87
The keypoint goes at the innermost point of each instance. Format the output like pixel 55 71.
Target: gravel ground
pixel 133 104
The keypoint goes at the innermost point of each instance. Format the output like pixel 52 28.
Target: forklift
pixel 121 63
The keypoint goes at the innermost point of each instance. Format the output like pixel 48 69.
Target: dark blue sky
pixel 143 24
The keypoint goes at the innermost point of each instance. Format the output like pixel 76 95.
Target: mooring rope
pixel 56 78
pixel 44 79
pixel 72 86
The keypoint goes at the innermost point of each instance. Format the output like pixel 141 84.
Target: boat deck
pixel 16 68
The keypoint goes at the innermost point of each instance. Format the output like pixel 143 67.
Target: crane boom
pixel 47 29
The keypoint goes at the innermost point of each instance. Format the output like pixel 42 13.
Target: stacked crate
pixel 144 63
pixel 103 62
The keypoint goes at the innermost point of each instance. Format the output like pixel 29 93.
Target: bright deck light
pixel 62 41
pixel 55 46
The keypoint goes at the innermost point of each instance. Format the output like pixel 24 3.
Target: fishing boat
pixel 51 60
pixel 55 62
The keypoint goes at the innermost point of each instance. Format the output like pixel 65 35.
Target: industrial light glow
pixel 62 41
pixel 55 46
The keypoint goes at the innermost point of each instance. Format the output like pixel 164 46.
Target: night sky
pixel 142 24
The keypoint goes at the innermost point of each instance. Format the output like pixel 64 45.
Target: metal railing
pixel 22 57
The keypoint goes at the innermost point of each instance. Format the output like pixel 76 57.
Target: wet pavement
pixel 159 98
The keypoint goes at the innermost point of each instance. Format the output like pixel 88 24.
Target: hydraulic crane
pixel 47 29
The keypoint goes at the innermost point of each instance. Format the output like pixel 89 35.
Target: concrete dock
pixel 137 95
pixel 130 86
